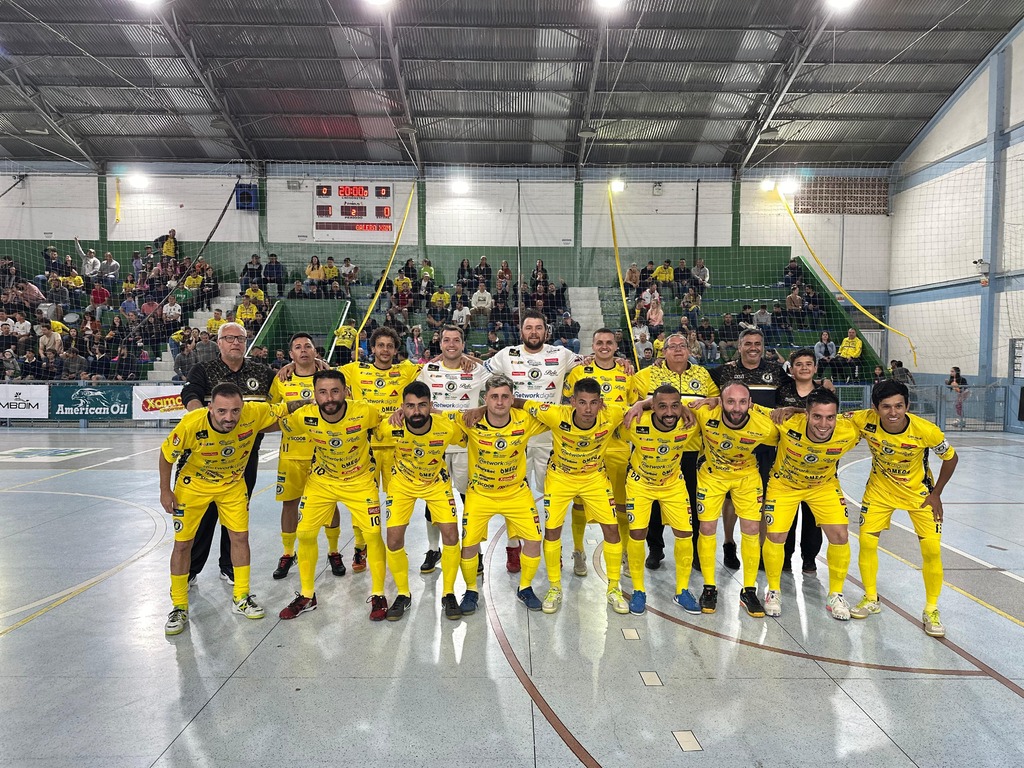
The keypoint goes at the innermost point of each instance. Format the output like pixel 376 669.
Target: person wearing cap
pixel 567 333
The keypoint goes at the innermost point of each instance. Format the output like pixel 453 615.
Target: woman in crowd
pixel 466 276
pixel 824 352
pixel 414 346
pixel 314 273
pixel 539 274
pixel 958 384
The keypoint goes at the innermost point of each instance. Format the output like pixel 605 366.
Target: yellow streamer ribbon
pixel 618 271
pixel 117 200
pixel 843 291
pixel 387 271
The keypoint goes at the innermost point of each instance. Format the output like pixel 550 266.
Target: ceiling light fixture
pixel 587 132
pixel 138 181
pixel 378 2
pixel 840 5
pixel 789 186
pixel 609 4
pixel 767 185
pixel 38 131
pixel 406 129
pixel 617 185
pixel 769 133
pixel 460 186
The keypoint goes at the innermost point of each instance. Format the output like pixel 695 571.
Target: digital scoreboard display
pixel 342 214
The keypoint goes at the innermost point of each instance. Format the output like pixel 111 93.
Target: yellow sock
pixel 750 555
pixel 241 582
pixel 527 570
pixel 398 564
pixel 553 561
pixel 623 522
pixel 309 553
pixel 706 546
pixel 636 551
pixel 867 561
pixel 450 556
pixel 931 569
pixel 838 556
pixel 613 563
pixel 288 539
pixel 468 566
pixel 333 534
pixel 579 527
pixel 683 550
pixel 774 556
pixel 179 590
pixel 376 561
pixel 360 540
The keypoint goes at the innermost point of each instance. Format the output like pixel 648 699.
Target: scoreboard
pixel 353 212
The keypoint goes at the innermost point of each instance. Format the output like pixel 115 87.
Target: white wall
pixel 1015 80
pixel 1009 311
pixel 290 212
pixel 64 206
pixel 488 214
pixel 937 229
pixel 190 205
pixel 1013 210
pixel 643 220
pixel 854 249
pixel 944 332
pixel 965 124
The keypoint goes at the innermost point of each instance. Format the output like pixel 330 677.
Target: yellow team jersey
pixel 330 273
pixel 402 284
pixel 208 457
pixel 616 390
pixel 168 247
pixel 420 458
pixel 58 327
pixel 381 389
pixel 575 450
pixel 295 446
pixel 497 455
pixel 663 274
pixel 244 313
pixel 656 453
pixel 801 462
pixel 128 286
pixel 341 451
pixel 255 294
pixel 192 282
pixel 442 295
pixel 850 347
pixel 213 324
pixel 694 382
pixel 899 462
pixel 659 347
pixel 732 450
pixel 73 282
pixel 346 336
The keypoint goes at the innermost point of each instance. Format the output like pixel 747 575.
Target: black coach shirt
pixel 252 378
pixel 762 381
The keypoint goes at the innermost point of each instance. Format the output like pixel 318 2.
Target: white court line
pixel 266 456
pixel 909 529
pixel 91 466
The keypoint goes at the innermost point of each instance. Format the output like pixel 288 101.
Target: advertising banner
pixel 24 401
pixel 157 402
pixel 94 402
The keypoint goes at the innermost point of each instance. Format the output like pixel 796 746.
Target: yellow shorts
pixel 826 502
pixel 384 457
pixel 593 489
pixel 876 514
pixel 402 495
pixel 673 498
pixel 713 485
pixel 195 496
pixel 291 478
pixel 518 509
pixel 316 508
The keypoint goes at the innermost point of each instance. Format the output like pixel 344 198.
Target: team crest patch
pixel 176 441
pixel 500 444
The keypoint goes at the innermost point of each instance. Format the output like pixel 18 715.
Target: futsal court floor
pixel 87 677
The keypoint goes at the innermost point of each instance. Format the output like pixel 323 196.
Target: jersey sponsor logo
pixel 535 373
pixel 397 432
pixel 352 429
pixel 178 525
pixel 451 386
pixel 228 452
pixel 311 421
pixel 334 442
pixel 500 444
pixel 550 361
pixel 833 451
pixel 620 378
pixel 606 387
pixel 436 443
pixel 887 450
pixel 379 383
pixel 565 426
pixel 419 453
pixel 599 435
pixel 747 441
pixel 518 432
pixel 202 434
pixel 252 384
pixel 663 449
pixel 433 367
pixel 870 428
pixel 582 443
pixel 694 385
pixel 176 441
pixel 306 394
pixel 643 430
pixel 464 397
pixel 810 458
pixel 793 434
pixel 551 385
pixel 713 423
pixel 209 453
pixel 243 435
pixel 725 445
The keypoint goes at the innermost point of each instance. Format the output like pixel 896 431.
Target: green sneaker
pixel 865 608
pixel 932 624
pixel 552 600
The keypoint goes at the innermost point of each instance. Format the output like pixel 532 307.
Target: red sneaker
pixel 359 560
pixel 378 607
pixel 512 563
pixel 299 605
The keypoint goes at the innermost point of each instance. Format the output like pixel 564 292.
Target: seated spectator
pixel 655 319
pixel 901 373
pixel 658 342
pixel 644 348
pixel 129 287
pixel 398 322
pixel 214 323
pixel 682 278
pixel 701 277
pixel 795 307
pixel 167 245
pixel 58 295
pixel 503 321
pixel 128 306
pixel 698 352
pixel 99 363
pixel 793 275
pixel 152 334
pixel 108 271
pixel 539 274
pixel 824 353
pixel 481 304
pixel 9 279
pixel 460 316
pixel 664 275
pixel 403 283
pixel 8 341
pixel 504 272
pixel 209 290
pixel 437 316
pixel 622 347
pixel 78 341
pixel 176 339
pixel 707 336
pixel 647 275
pixel 847 359
pixel 567 333
pixel 206 349
pixel 502 289
pixel 763 320
pixel 53 366
pixel 32 367
pixel 171 314
pixel 124 367
pixel 441 295
pixel 494 344
pixel 408 269
pixel 415 347
pixel 878 375
pixel 12 366
pixel 649 294
pixel 76 367
pixel 335 292
pixel 403 301
pixel 280 361
pixel 296 292
pixel 314 273
pixel 349 275
pixel 746 318
pixel 274 274
pixel 29 294
pixel 465 274
pixel 728 338
pixel 781 326
pixel 812 303
pixel 422 290
pixel 331 272
pixel 256 295
pixel 48 340
pixel 483 273
pixel 690 306
pixel 556 296
pixel 246 313
pixel 639 326
pixel 184 361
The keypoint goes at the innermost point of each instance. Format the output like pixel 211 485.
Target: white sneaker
pixel 772 603
pixel 617 601
pixel 837 606
pixel 552 600
pixel 579 563
pixel 192 582
pixel 625 566
pixel 248 607
pixel 932 624
pixel 865 608
pixel 176 621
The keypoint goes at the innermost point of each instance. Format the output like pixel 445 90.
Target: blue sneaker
pixel 638 603
pixel 469 601
pixel 688 602
pixel 529 599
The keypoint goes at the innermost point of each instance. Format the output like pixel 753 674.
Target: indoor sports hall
pixel 674 171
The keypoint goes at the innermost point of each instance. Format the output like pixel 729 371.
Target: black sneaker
pixel 284 565
pixel 228 575
pixel 398 608
pixel 731 561
pixel 654 558
pixel 787 566
pixel 809 566
pixel 750 601
pixel 709 599
pixel 433 557
pixel 480 563
pixel 451 607
pixel 337 565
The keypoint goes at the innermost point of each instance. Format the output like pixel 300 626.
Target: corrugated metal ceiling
pixel 677 80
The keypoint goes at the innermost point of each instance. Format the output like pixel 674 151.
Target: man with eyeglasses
pixel 253 379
